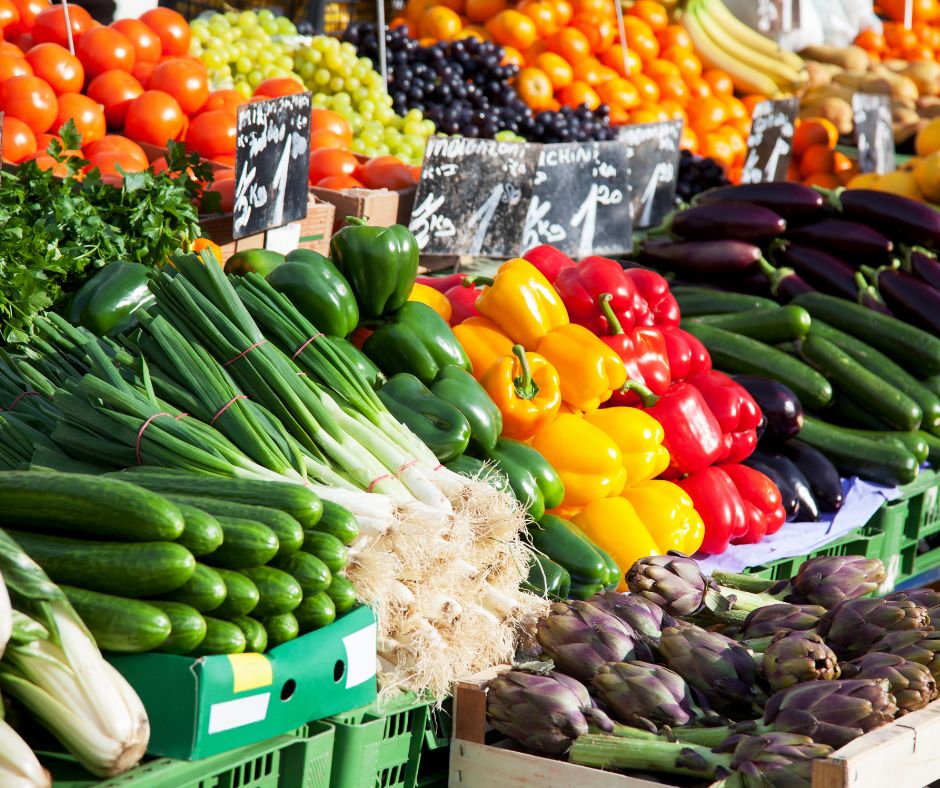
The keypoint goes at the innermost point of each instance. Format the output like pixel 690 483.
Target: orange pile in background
pixel 815 161
pixel 921 42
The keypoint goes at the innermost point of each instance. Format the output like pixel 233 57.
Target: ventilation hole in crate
pixel 288 690
pixel 339 670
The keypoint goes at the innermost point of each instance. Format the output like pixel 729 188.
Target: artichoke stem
pixel 746 601
pixel 741 582
pixel 616 752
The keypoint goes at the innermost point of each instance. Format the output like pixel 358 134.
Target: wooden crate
pixel 905 754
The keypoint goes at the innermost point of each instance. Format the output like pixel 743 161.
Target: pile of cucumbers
pixel 160 560
pixel 869 382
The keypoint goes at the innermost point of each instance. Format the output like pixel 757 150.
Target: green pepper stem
pixel 525 387
pixel 613 323
pixel 358 221
pixel 647 397
pixel 473 281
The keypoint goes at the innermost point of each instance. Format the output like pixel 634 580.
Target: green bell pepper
pixel 107 304
pixel 318 291
pixel 461 389
pixel 547 579
pixel 534 482
pixel 360 361
pixel 417 340
pixel 441 427
pixel 381 264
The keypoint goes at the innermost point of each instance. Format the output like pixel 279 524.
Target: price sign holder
pixel 875 137
pixel 581 199
pixel 653 154
pixel 770 142
pixel 271 164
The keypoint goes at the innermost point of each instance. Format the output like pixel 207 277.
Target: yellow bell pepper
pixel 589 369
pixel 638 436
pixel 524 387
pixel 614 525
pixel 565 512
pixel 669 515
pixel 586 459
pixel 484 342
pixel 432 298
pixel 566 408
pixel 522 302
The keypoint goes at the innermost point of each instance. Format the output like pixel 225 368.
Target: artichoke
pixel 769 620
pixel 831 712
pixel 544 713
pixel 828 580
pixel 676 584
pixel 580 637
pixel 911 683
pixel 920 646
pixel 643 616
pixel 925 597
pixel 795 657
pixel 772 759
pixel 644 695
pixel 852 626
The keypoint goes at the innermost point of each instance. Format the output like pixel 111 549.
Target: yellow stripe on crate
pixel 250 671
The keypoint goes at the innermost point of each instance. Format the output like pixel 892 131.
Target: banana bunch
pixel 754 62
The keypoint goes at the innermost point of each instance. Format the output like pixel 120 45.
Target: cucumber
pixel 339 522
pixel 867 388
pixel 309 571
pixel 278 591
pixel 78 504
pixel 343 594
pixel 222 637
pixel 914 442
pixel 246 543
pixel 241 595
pixel 298 501
pixel 202 533
pixel 256 636
pixel 916 350
pixel 280 628
pixel 933 384
pixel 187 628
pixel 734 353
pixel 552 537
pixel 933 447
pixel 290 535
pixel 786 324
pixel 330 550
pixel 315 611
pixel 117 624
pixel 694 301
pixel 204 591
pixel 585 590
pixel 614 574
pixel 129 569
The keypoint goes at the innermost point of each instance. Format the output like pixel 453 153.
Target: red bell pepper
pixel 654 289
pixel 441 283
pixel 687 355
pixel 549 261
pixel 643 351
pixel 737 413
pixel 463 301
pixel 720 506
pixel 581 288
pixel 759 491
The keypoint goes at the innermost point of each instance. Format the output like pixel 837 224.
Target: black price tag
pixel 473 196
pixel 873 130
pixel 581 199
pixel 770 141
pixel 272 158
pixel 653 154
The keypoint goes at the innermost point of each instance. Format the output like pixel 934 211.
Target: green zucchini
pixel 933 384
pixel 547 578
pixel 330 550
pixel 86 505
pixel 585 590
pixel 316 611
pixel 130 569
pixel 933 447
pixel 614 575
pixel 246 543
pixel 256 636
pixel 222 637
pixel 309 571
pixel 187 628
pixel 866 388
pixel 128 626
pixel 916 350
pixel 343 594
pixel 241 595
pixel 786 324
pixel 280 628
pixel 204 591
pixel 734 353
pixel 338 521
pixel 552 537
pixel 298 501
pixel 290 535
pixel 694 301
pixel 202 533
pixel 278 591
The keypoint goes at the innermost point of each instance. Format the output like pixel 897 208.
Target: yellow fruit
pixel 927 175
pixel 898 182
pixel 866 180
pixel 928 138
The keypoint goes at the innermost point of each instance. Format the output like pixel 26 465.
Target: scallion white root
pixel 19 767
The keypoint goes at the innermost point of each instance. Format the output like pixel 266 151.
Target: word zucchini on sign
pixel 770 141
pixel 653 155
pixel 272 158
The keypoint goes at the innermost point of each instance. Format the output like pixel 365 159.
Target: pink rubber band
pixel 226 406
pixel 378 479
pixel 245 352
pixel 405 466
pixel 140 434
pixel 21 396
pixel 437 467
pixel 303 347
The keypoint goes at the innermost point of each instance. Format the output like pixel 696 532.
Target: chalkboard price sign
pixel 872 113
pixel 473 196
pixel 653 154
pixel 272 157
pixel 581 199
pixel 770 142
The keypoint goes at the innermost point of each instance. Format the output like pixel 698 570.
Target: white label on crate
pixel 235 713
pixel 360 656
pixel 283 239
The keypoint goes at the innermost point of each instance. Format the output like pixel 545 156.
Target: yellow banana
pixel 745 35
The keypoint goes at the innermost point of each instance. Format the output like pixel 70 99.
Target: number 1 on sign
pixel 280 182
pixel 781 148
pixel 482 218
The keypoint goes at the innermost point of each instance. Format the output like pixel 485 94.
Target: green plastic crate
pixel 919 548
pixel 435 755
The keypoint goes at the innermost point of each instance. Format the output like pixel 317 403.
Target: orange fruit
pixel 592 71
pixel 698 88
pixel 543 15
pixel 570 43
pixel 719 80
pixel 613 58
pixel 743 125
pixel 674 36
pixel 689 140
pixel 847 175
pixel 646 87
pixel 641 38
pixel 440 22
pixel 841 163
pixel 662 68
pixel 814 131
pixel 673 88
pixel 824 179
pixel 751 100
pixel 707 115
pixel 578 93
pixel 619 92
pixel 600 32
pixel 871 41
pixel 596 8
pixel 652 13
pixel 736 141
pixel 535 88
pixel 817 159
pixel 512 28
pixel 735 106
pixel 563 11
pixel 484 10
pixel 687 61
pixel 618 115
pixel 717 147
pixel 652 109
pixel 511 57
pixel 529 54
pixel 557 69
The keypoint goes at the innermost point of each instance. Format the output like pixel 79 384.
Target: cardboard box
pixel 208 705
pixel 378 207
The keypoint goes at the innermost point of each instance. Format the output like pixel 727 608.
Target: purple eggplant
pixel 926 268
pixel 822 270
pixel 911 222
pixel 849 239
pixel 822 475
pixel 790 284
pixel 792 201
pixel 910 299
pixel 739 220
pixel 796 481
pixel 791 501
pixel 703 259
pixel 782 409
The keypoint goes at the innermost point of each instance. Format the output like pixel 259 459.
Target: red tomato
pixel 18 140
pixel 171 28
pixel 10 50
pixel 13 67
pixel 183 80
pixel 327 120
pixel 29 10
pixel 279 86
pixel 212 134
pixel 114 90
pixel 225 187
pixel 224 99
pixel 142 73
pixel 338 182
pixel 9 14
pixel 59 67
pixel 85 113
pixel 326 139
pixel 31 100
pixel 146 43
pixel 115 143
pixel 328 161
pixel 103 49
pixel 386 172
pixel 108 162
pixel 153 117
pixel 49 25
pixel 45 162
pixel 115 181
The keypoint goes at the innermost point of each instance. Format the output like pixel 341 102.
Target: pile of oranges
pixel 921 42
pixel 815 160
